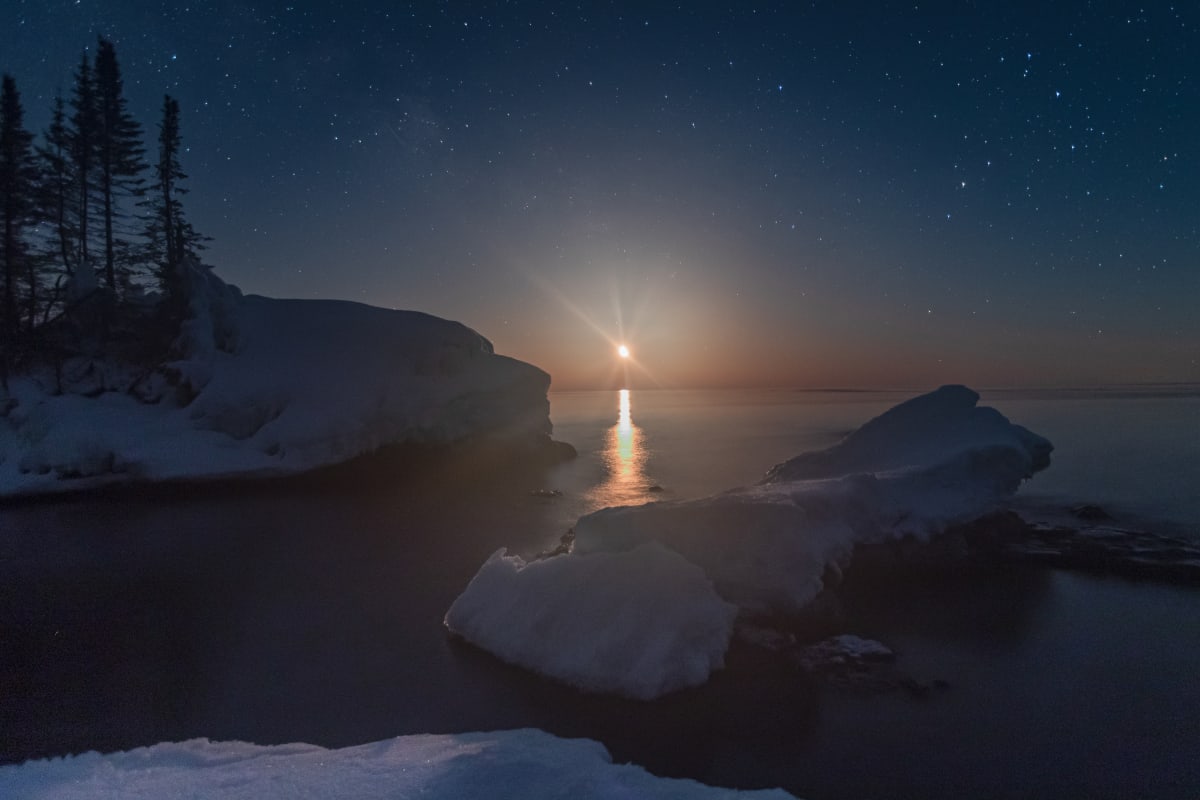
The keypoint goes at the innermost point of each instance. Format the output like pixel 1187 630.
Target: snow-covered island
pixel 261 387
pixel 645 601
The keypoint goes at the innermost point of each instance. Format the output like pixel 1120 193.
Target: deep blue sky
pixel 771 193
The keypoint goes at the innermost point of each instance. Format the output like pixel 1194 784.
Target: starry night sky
pixel 826 194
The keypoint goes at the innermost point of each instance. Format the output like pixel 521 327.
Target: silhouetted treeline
pixel 93 253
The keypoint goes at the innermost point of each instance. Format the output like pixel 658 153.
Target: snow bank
pixel 267 387
pixel 528 764
pixel 926 464
pixel 639 623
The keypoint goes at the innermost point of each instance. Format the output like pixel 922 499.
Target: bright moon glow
pixel 623 351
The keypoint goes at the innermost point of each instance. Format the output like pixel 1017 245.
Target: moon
pixel 622 351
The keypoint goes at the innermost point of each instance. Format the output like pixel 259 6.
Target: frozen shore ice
pixel 528 764
pixel 931 462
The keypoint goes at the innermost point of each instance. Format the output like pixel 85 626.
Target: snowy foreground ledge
pixel 645 602
pixel 265 387
pixel 527 764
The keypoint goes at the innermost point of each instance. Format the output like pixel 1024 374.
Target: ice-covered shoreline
pixel 266 387
pixel 526 763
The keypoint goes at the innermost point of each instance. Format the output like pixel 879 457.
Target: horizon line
pixel 877 389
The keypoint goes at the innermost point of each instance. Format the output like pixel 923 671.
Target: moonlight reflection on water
pixel 624 460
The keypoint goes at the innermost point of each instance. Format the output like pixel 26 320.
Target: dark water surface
pixel 313 613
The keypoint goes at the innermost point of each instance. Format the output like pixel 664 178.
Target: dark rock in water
pixel 560 451
pixel 841 653
pixel 897 558
pixel 655 489
pixel 565 542
pixel 1113 551
pixel 1090 513
pixel 845 661
pixel 1005 536
pixel 862 665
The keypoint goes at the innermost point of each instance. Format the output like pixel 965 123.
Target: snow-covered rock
pixel 267 387
pixel 639 623
pixel 929 463
pixel 528 764
pixel 927 430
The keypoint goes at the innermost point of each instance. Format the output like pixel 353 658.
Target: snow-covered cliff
pixel 265 387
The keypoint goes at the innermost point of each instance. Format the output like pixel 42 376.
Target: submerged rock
pixel 844 652
pixel 1090 513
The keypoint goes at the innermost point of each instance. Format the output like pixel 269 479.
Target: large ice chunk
pixel 529 764
pixel 639 623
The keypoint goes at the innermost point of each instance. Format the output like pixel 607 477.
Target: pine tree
pixel 166 209
pixel 58 197
pixel 171 240
pixel 119 153
pixel 18 186
pixel 81 137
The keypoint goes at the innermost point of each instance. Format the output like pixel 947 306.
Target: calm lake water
pixel 314 614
